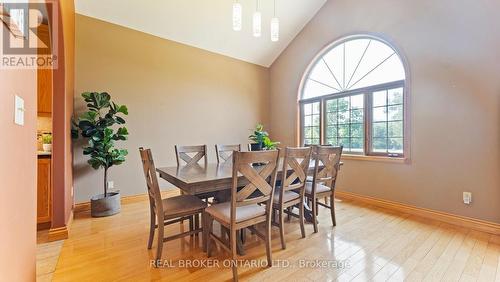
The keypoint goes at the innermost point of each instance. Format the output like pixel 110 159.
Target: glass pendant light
pixel 275 26
pixel 257 21
pixel 237 16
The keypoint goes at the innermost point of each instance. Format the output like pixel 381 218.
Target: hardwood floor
pixel 47 255
pixel 374 244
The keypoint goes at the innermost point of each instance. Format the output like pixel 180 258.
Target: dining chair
pixel 197 152
pixel 291 191
pixel 326 168
pixel 169 210
pixel 191 155
pixel 245 210
pixel 224 153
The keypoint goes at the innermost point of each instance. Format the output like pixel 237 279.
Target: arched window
pixel 353 94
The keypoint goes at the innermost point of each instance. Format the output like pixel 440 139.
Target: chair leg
pixel 210 224
pixel 317 207
pixel 152 229
pixel 204 231
pixel 196 222
pixel 182 193
pixel 161 230
pixel 282 228
pixel 243 235
pixel 222 233
pixel 314 214
pixel 233 253
pixel 289 212
pixel 301 219
pixel 332 210
pixel 268 241
pixel 191 225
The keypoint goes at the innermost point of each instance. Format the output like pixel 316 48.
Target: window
pixel 353 95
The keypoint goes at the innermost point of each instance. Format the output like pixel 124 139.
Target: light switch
pixel 19 111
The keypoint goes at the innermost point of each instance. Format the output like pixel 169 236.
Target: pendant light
pixel 275 26
pixel 257 21
pixel 237 16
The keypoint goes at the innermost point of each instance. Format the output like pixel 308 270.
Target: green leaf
pixel 120 120
pixel 86 95
pixel 122 109
pixel 122 131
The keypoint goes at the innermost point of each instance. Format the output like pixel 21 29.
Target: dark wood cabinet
pixel 44 191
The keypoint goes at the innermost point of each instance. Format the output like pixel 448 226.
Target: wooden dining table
pixel 203 179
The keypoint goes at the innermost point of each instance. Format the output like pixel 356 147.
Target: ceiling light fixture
pixel 237 15
pixel 275 26
pixel 257 21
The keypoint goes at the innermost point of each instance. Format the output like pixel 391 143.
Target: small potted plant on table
pixel 261 140
pixel 97 125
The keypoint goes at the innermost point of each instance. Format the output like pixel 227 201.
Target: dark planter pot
pixel 256 147
pixel 105 206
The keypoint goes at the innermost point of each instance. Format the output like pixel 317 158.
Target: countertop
pixel 43 153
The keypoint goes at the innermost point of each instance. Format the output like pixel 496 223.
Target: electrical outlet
pixel 467 198
pixel 111 184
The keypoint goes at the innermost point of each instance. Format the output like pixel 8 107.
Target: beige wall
pixel 452 50
pixel 18 174
pixel 175 94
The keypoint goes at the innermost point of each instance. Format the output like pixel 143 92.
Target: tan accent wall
pixel 176 94
pixel 18 175
pixel 452 50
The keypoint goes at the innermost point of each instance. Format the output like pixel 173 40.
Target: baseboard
pixel 85 206
pixel 468 222
pixel 59 233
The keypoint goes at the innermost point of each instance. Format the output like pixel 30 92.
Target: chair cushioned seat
pixel 182 204
pixel 222 211
pixel 287 196
pixel 319 188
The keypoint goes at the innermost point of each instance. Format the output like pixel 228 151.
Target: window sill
pixel 384 159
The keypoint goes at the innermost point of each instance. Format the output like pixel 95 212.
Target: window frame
pixel 367 153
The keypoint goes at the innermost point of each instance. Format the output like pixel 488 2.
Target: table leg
pixel 239 243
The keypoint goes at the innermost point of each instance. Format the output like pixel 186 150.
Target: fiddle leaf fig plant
pixel 97 125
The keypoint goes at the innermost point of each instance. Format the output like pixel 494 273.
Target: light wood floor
pixel 47 255
pixel 376 245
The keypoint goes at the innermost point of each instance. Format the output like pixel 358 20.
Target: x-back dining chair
pixel 225 152
pixel 197 152
pixel 167 211
pixel 292 189
pixel 192 155
pixel 326 168
pixel 244 211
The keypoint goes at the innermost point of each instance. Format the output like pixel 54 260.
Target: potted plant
pixel 261 140
pixel 97 125
pixel 47 142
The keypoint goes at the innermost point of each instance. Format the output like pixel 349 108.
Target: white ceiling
pixel 206 24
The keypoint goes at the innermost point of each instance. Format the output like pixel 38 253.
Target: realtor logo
pixel 29 34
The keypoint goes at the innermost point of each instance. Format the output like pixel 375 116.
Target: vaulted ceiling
pixel 207 24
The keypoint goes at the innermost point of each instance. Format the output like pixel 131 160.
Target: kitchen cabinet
pixel 44 80
pixel 44 190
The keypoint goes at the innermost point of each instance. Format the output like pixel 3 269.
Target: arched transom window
pixel 353 95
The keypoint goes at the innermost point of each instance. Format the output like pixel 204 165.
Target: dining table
pixel 205 179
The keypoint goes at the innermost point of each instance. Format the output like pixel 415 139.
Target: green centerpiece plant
pixel 261 139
